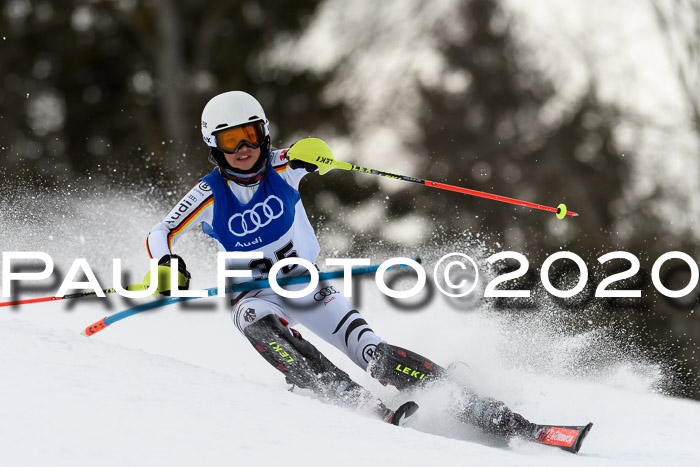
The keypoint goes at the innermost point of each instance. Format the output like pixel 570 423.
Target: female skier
pixel 250 202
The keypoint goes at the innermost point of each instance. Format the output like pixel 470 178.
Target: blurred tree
pixel 679 22
pixel 498 134
pixel 493 133
pixel 93 84
pixel 486 123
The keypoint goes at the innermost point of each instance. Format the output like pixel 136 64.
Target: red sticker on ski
pixel 560 436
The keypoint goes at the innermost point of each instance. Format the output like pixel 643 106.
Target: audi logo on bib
pixel 250 220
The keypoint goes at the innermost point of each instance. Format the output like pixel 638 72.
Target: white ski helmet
pixel 236 110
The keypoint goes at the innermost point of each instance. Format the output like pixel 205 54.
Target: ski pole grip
pixel 315 151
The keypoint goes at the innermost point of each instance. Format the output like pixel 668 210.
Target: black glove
pixel 297 164
pixel 183 276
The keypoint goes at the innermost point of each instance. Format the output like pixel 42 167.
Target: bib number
pixel 261 267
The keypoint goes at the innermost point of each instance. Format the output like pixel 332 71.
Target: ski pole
pixel 316 152
pixel 242 287
pixel 25 301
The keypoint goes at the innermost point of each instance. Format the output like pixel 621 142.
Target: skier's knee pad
pixel 402 368
pixel 248 311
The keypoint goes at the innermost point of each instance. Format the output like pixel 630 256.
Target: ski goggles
pixel 230 140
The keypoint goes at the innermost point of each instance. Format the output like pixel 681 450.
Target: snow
pixel 182 387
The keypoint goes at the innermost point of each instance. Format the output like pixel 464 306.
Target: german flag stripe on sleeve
pixel 281 168
pixel 189 219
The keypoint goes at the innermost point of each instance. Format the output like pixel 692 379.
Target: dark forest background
pixel 115 89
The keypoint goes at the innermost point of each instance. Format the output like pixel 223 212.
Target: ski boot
pixel 405 369
pixel 491 416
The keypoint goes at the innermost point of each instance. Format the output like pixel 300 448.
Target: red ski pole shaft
pixel 314 151
pixel 467 191
pixel 26 301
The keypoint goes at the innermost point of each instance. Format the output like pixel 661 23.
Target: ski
pixel 400 416
pixel 568 438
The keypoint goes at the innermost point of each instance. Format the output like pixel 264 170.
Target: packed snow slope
pixel 179 386
pixel 182 387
